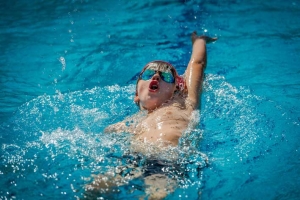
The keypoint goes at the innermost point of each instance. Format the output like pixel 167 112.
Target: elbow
pixel 201 62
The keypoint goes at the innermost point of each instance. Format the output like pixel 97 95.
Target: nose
pixel 156 76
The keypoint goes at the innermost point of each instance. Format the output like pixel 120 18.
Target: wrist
pixel 199 42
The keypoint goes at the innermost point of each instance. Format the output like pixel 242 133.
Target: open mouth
pixel 153 86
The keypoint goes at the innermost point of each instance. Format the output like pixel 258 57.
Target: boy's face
pixel 156 86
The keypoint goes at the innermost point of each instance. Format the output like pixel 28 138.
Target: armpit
pixel 190 103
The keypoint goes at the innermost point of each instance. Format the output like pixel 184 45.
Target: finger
pixel 210 40
pixel 214 38
pixel 194 36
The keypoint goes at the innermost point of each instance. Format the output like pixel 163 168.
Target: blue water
pixel 67 71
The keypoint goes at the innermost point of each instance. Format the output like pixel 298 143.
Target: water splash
pixel 58 139
pixel 238 133
pixel 63 63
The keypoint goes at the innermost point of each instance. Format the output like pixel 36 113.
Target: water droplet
pixel 63 62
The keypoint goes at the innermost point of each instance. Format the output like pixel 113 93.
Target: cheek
pixel 142 86
pixel 169 89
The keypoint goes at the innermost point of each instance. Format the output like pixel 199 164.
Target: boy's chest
pixel 165 124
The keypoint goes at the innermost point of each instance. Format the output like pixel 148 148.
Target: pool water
pixel 68 70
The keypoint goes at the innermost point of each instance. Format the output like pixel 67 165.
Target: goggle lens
pixel 165 76
pixel 147 74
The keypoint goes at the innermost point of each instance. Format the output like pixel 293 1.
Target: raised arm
pixel 196 66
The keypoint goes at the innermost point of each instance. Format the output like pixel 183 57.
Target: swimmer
pixel 169 101
pixel 168 98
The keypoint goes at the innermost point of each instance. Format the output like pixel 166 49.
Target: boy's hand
pixel 207 39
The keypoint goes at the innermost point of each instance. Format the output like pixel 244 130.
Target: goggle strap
pixel 180 83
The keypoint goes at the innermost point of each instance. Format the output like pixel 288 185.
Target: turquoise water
pixel 67 71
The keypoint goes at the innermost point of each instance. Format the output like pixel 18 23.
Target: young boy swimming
pixel 169 101
pixel 168 98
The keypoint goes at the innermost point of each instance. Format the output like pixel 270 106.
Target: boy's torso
pixel 165 124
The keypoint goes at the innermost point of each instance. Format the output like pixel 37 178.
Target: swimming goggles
pixel 164 71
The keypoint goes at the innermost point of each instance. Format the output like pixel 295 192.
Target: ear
pixel 136 98
pixel 137 101
pixel 176 88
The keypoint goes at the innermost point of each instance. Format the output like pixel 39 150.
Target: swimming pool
pixel 67 71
